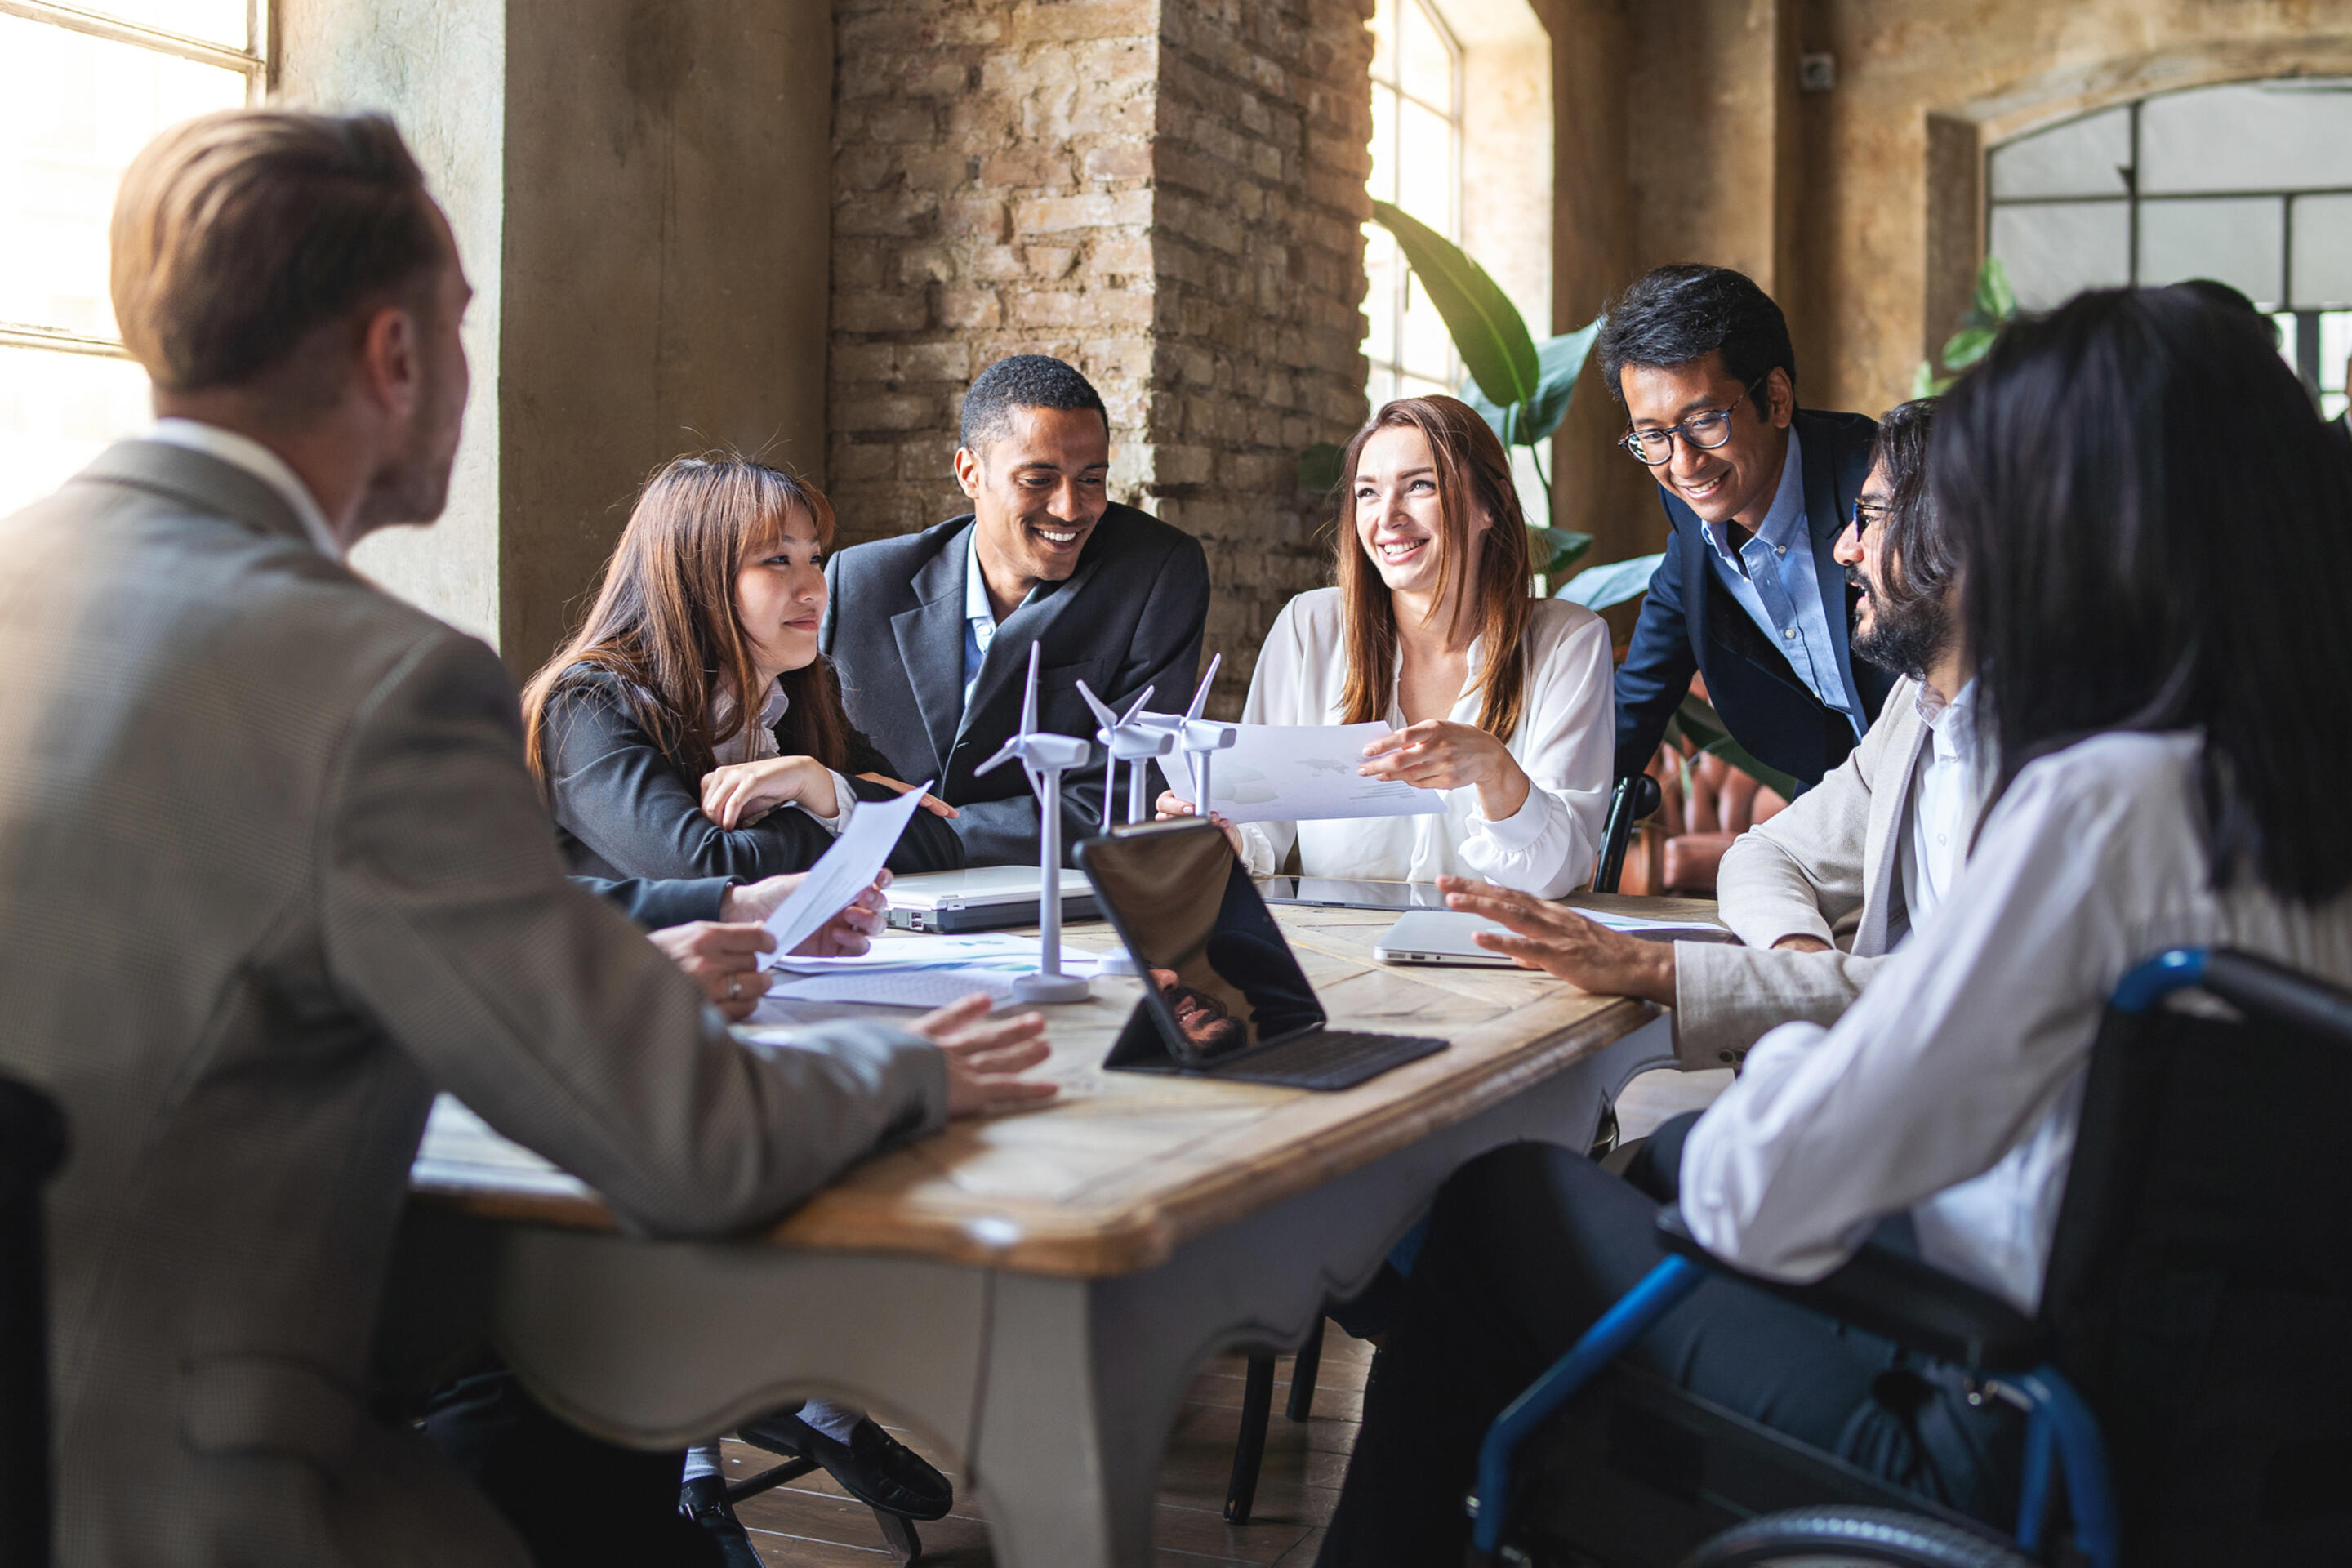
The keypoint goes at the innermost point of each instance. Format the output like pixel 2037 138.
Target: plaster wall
pixel 437 67
pixel 1926 85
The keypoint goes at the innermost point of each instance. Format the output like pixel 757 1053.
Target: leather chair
pixel 32 1147
pixel 1706 803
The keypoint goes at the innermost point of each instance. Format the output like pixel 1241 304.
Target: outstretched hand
pixel 987 1054
pixel 1559 941
pixel 932 803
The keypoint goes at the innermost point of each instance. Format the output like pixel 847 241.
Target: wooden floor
pixel 811 1522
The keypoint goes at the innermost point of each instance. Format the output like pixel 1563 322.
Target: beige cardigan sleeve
pixel 1799 874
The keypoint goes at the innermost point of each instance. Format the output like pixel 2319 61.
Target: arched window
pixel 82 88
pixel 1417 164
pixel 2249 183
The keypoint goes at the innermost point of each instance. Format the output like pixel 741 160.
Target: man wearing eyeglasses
pixel 1757 489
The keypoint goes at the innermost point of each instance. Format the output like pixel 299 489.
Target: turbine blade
pixel 1134 708
pixel 1103 710
pixel 1201 696
pixel 1029 696
pixel 1012 749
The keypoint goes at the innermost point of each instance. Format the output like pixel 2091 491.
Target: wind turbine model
pixel 1198 737
pixel 1123 740
pixel 1045 757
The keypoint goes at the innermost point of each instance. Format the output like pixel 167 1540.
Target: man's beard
pixel 1908 640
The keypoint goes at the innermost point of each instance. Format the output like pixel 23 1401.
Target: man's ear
pixel 1778 397
pixel 968 471
pixel 391 369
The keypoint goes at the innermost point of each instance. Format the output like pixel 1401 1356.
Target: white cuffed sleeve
pixel 1566 744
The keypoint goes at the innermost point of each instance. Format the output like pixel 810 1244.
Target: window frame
pixel 1393 371
pixel 252 62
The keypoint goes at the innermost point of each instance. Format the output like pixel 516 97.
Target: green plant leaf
pixel 1560 362
pixel 1968 345
pixel 1705 729
pixel 1487 331
pixel 1558 548
pixel 1995 301
pixel 1925 382
pixel 1319 467
pixel 1598 587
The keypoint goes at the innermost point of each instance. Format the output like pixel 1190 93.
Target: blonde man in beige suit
pixel 1820 894
pixel 275 872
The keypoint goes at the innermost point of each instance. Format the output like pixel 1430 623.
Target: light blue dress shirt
pixel 1778 582
pixel 979 615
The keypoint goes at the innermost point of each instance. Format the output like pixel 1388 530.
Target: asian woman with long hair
pixel 1499 701
pixel 691 728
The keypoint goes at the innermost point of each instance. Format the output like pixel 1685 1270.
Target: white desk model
pixel 1035 1290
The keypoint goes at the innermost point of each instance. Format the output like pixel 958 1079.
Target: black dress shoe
pixel 873 1466
pixel 704 1500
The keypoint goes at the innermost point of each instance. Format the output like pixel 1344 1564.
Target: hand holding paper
pixel 1300 773
pixel 846 870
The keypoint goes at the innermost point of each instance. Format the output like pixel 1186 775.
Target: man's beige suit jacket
pixel 1828 866
pixel 272 871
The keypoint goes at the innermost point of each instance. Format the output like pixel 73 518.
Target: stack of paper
pixel 920 971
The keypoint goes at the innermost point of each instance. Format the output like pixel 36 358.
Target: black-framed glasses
pixel 1705 430
pixel 1868 514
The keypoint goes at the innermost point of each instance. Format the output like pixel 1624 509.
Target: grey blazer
pixel 271 871
pixel 1827 868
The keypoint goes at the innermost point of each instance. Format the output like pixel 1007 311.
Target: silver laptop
pixel 981 898
pixel 1440 936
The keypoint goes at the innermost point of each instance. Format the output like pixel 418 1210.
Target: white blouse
pixel 1566 743
pixel 1952 1088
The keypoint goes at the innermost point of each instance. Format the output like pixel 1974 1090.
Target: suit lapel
pixel 1824 519
pixel 931 643
pixel 1890 819
pixel 1006 663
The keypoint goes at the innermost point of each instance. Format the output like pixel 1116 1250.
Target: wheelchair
pixel 2186 1382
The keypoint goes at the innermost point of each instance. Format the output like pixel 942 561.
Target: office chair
pixel 32 1147
pixel 1635 798
pixel 2187 1379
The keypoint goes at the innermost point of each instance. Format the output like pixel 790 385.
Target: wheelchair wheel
pixel 1832 1537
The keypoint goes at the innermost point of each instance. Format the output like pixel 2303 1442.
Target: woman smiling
pixel 1499 701
pixel 691 729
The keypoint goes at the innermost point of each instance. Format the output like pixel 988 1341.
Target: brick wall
pixel 1166 194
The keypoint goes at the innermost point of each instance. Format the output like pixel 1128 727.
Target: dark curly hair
pixel 1677 314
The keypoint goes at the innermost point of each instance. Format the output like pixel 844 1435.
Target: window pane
pixel 1384 40
pixel 57 411
pixel 2084 157
pixel 1425 166
pixel 1428 347
pixel 73 109
pixel 2334 349
pixel 2253 136
pixel 214 21
pixel 2055 252
pixel 2240 242
pixel 1384 274
pixel 1383 182
pixel 2323 252
pixel 1426 58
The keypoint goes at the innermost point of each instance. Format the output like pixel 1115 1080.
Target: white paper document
pixel 991 950
pixel 843 871
pixel 1300 773
pixel 1658 930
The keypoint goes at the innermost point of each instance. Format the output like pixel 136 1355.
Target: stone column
pixel 1165 192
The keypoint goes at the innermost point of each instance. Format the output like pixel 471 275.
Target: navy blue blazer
pixel 1691 623
pixel 1129 616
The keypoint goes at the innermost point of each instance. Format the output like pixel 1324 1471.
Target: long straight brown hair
pixel 1473 475
pixel 664 622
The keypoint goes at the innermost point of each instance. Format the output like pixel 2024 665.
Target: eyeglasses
pixel 1868 515
pixel 1706 431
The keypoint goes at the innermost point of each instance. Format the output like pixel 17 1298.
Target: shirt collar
pixel 246 453
pixel 1951 719
pixel 976 607
pixel 1787 512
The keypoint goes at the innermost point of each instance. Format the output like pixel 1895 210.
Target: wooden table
pixel 1034 1289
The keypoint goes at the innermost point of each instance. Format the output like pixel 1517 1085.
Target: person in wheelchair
pixel 2161 683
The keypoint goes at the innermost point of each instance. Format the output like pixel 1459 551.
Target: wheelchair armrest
pixel 1896 1296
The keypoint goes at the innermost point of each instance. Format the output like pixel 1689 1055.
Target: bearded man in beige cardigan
pixel 1821 893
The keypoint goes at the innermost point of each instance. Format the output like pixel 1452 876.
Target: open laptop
pixel 1223 995
pixel 982 897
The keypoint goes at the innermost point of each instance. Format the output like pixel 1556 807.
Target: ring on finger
pixel 734 987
